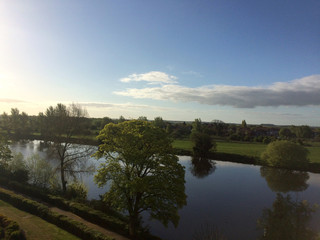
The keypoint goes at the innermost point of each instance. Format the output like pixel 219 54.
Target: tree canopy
pixel 59 125
pixel 142 172
pixel 202 142
pixel 285 154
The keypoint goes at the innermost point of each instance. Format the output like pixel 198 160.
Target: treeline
pixel 19 125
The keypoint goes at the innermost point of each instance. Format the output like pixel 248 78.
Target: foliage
pixel 40 171
pixel 158 121
pixel 17 168
pixel 5 154
pixel 285 154
pixel 77 191
pixel 38 209
pixel 284 180
pixel 111 220
pixel 244 124
pixel 202 142
pixel 302 131
pixel 11 229
pixel 202 167
pixel 60 124
pixel 285 133
pixel 141 171
pixel 287 220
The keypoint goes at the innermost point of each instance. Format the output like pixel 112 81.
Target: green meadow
pixel 246 148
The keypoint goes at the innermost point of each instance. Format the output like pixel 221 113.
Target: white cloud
pixel 299 92
pixel 154 77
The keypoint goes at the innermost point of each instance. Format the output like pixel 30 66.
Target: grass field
pixel 34 227
pixel 244 148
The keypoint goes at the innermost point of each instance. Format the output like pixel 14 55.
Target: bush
pixel 10 229
pixel 285 154
pixel 77 191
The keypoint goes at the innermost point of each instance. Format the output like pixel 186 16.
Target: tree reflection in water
pixel 283 180
pixel 202 167
pixel 287 220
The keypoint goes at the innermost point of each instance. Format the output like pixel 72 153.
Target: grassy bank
pixel 33 226
pixel 245 149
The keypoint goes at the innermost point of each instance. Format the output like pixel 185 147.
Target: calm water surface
pixel 226 196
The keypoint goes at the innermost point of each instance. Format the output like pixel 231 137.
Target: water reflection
pixel 283 180
pixel 287 220
pixel 202 167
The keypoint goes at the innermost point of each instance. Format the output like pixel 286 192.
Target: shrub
pixel 77 191
pixel 10 229
pixel 285 154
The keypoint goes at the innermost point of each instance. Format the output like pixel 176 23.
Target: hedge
pixel 10 229
pixel 97 217
pixel 77 228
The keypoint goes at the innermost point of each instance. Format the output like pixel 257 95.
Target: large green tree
pixel 142 172
pixel 60 125
pixel 285 154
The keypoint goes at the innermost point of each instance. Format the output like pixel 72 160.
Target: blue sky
pixel 227 60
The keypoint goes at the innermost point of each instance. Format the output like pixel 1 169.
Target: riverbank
pixel 238 152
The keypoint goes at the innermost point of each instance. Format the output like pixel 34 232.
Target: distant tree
pixel 302 131
pixel 158 121
pixel 197 126
pixel 244 124
pixel 285 133
pixel 285 154
pixel 121 119
pixel 5 123
pixel 219 127
pixel 143 118
pixel 202 142
pixel 142 172
pixel 105 121
pixel 62 124
pixel 179 130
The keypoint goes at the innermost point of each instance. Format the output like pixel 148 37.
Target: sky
pixel 229 60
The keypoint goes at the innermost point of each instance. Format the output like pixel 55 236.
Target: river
pixel 230 198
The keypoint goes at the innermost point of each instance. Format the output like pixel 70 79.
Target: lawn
pixel 34 227
pixel 245 148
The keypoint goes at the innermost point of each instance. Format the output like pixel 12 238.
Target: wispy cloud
pixel 193 73
pixel 120 106
pixel 8 100
pixel 299 92
pixel 154 77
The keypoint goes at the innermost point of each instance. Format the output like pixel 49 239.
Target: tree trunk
pixel 133 225
pixel 63 181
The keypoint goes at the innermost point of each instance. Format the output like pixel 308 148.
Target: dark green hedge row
pixel 10 229
pixel 77 228
pixel 91 215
